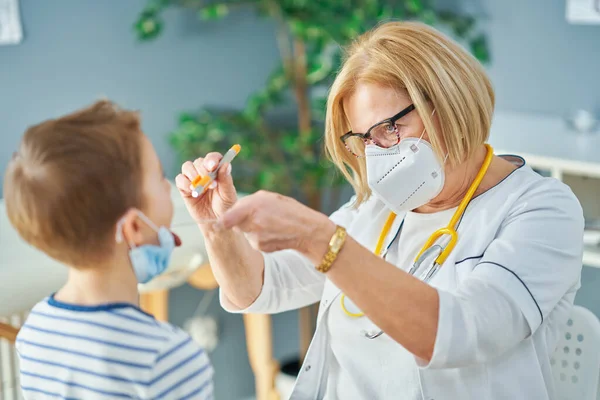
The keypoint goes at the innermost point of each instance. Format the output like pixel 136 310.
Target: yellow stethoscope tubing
pixel 450 229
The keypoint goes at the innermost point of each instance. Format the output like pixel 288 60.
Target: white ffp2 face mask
pixel 405 176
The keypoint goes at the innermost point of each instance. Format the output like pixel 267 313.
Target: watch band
pixel 335 245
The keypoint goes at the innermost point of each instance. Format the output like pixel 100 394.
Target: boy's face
pixel 156 190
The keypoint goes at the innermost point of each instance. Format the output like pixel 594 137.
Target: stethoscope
pixel 436 254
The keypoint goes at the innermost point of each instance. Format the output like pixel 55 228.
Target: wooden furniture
pixel 258 332
pixel 10 388
pixel 8 332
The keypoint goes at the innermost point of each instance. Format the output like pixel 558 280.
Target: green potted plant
pixel 279 156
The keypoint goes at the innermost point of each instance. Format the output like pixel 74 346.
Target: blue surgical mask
pixel 149 260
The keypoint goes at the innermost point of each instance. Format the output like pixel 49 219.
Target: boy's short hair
pixel 72 179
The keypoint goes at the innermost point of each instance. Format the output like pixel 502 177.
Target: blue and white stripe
pixel 108 352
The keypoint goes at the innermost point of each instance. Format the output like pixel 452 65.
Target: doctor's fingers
pixel 200 166
pixel 183 183
pixel 242 215
pixel 189 170
pixel 208 163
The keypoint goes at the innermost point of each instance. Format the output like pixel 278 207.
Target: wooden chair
pixel 8 332
pixel 9 387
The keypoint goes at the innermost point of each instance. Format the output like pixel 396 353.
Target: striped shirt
pixel 110 351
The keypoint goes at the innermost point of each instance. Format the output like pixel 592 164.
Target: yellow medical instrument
pixel 201 183
pixel 429 247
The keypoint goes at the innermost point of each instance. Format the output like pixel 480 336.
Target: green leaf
pixel 317 71
pixel 205 116
pixel 289 142
pixel 358 16
pixel 266 178
pixel 479 48
pixel 213 12
pixel 148 26
pixel 386 12
pixel 414 6
pixel 189 127
pixel 186 117
pixel 428 17
pixel 255 105
pixel 277 82
pixel 215 134
pixel 351 31
pixel 371 7
pixel 463 25
pixel 314 32
pixel 297 28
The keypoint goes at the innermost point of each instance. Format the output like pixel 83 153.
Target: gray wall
pixel 77 50
pixel 540 62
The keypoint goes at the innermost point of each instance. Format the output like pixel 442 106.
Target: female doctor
pixel 451 273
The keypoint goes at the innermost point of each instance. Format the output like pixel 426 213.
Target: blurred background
pixel 206 75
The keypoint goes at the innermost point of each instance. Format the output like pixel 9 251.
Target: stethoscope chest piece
pixel 372 334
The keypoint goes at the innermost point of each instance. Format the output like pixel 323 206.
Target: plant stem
pixel 309 186
pixel 310 189
pixel 301 89
pixel 283 39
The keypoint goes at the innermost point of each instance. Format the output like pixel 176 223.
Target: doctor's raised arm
pixel 449 274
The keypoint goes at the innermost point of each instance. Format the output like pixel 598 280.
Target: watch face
pixel 337 241
pixel 336 245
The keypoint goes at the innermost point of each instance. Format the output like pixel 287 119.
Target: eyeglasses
pixel 383 134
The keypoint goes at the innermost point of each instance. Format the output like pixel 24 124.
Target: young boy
pixel 88 190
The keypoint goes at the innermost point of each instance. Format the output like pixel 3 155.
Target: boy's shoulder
pixel 108 345
pixel 120 321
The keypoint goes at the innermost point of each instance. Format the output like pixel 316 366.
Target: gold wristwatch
pixel 335 245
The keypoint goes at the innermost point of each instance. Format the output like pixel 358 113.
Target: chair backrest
pixel 9 364
pixel 8 332
pixel 576 360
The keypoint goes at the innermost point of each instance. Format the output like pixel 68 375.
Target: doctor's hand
pixel 220 196
pixel 274 222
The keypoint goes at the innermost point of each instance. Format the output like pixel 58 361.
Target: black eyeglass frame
pixel 367 136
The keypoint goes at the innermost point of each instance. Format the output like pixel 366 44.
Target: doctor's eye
pixel 391 128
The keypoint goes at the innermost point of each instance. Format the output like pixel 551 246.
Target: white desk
pixel 547 143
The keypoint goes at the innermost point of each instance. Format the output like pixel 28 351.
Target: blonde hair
pixel 437 74
pixel 71 180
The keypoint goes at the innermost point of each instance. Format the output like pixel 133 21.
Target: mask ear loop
pixel 423 133
pixel 119 234
pixel 445 158
pixel 147 221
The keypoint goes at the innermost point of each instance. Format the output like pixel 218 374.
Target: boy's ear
pixel 131 228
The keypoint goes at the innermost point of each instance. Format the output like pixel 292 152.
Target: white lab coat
pixel 523 238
